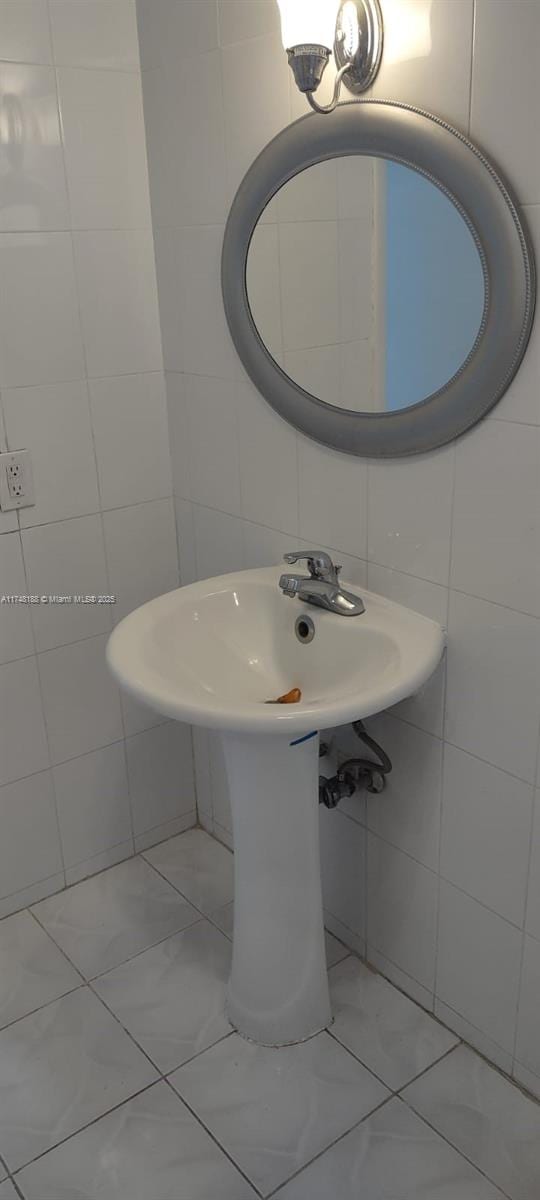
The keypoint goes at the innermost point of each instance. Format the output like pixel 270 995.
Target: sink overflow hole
pixel 304 629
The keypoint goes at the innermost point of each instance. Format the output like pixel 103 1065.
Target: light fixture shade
pixel 308 22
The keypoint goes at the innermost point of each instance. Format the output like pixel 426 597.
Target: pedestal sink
pixel 212 654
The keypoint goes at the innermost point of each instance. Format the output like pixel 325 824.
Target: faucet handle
pixel 319 563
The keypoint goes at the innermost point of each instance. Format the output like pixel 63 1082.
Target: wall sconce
pixel 311 29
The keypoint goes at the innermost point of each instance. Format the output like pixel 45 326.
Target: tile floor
pixel 121 1079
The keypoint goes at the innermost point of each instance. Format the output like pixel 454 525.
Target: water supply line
pixel 355 772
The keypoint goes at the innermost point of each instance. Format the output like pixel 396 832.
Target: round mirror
pixel 365 284
pixel 378 279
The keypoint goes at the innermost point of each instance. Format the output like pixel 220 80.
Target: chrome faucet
pixel 321 587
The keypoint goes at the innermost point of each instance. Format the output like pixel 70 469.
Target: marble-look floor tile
pixel 391 1156
pixel 148 1149
pixel 199 866
pixel 387 1032
pixel 33 971
pixel 61 1068
pixel 335 950
pixel 7 1191
pixel 274 1110
pixel 110 917
pixel 485 1117
pixel 172 997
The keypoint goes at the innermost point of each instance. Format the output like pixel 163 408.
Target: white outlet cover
pixel 20 458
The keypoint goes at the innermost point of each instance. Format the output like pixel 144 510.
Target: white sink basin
pixel 212 654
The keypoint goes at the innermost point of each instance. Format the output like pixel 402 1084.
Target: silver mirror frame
pixel 443 155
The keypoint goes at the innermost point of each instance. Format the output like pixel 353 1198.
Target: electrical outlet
pixel 16 482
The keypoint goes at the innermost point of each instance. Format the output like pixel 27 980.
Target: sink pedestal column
pixel 278 989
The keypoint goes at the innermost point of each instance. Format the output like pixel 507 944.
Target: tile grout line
pixel 520 987
pixel 394 1091
pixel 163 1077
pixel 259 525
pixel 455 1148
pixel 43 714
pixel 89 980
pixel 395 1095
pixel 444 706
pixel 209 1131
pixel 34 1011
pixel 204 917
pixel 327 1149
pixel 88 1125
pixel 92 875
pixel 444 878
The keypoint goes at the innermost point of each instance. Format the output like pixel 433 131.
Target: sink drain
pixel 304 629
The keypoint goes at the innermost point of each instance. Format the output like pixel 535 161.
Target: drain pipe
pixel 355 772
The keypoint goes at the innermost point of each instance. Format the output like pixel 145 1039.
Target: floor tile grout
pixel 88 1125
pixel 200 1122
pixel 33 1012
pixel 435 1063
pixel 55 943
pixel 165 1076
pixel 471 1161
pixel 336 1142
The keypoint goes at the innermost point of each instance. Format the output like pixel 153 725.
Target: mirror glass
pixel 365 284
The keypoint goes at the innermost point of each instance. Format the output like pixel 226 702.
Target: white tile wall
pixel 40 336
pixel 463 518
pixel 160 768
pixel 80 699
pixel 28 804
pixel 92 34
pixel 527 1043
pixel 533 902
pixel 410 514
pixel 407 814
pixel 49 419
pixel 496 530
pixel 56 555
pixel 402 910
pixel 200 194
pixel 343 861
pixel 478 965
pixel 15 623
pixel 200 333
pixel 138 467
pixel 140 543
pixel 486 833
pixel 25 31
pixel 78 299
pixel 212 442
pixel 344 522
pixel 93 803
pixel 104 148
pixel 493 699
pixel 117 288
pixel 504 123
pixel 240 20
pixel 269 494
pixel 261 74
pixel 181 30
pixel 521 403
pixel 23 743
pixel 34 192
